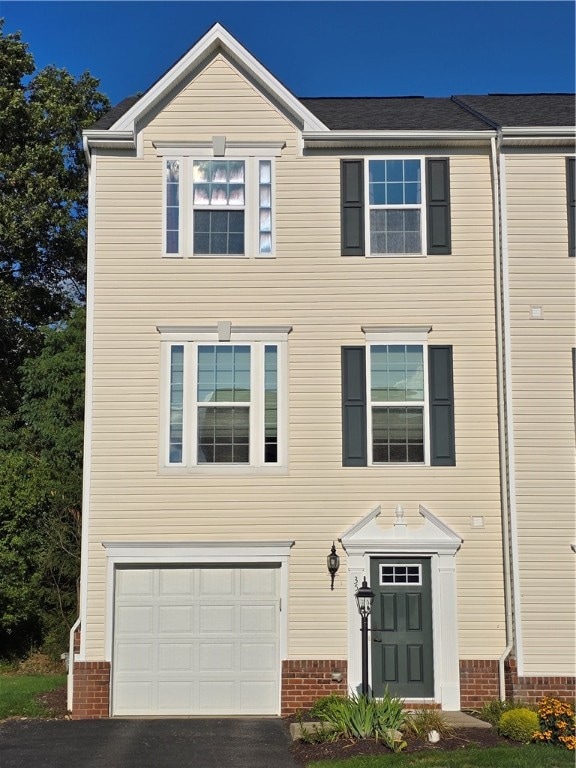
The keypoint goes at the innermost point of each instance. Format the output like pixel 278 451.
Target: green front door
pixel 402 654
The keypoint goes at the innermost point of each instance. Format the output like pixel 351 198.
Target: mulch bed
pixel 463 737
pixel 55 701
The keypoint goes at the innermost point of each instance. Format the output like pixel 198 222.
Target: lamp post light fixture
pixel 333 562
pixel 364 599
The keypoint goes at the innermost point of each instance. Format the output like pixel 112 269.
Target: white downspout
pixel 500 361
pixel 70 679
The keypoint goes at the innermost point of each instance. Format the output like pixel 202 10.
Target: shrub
pixel 421 722
pixel 493 710
pixel 518 724
pixel 359 717
pixel 556 720
pixel 323 704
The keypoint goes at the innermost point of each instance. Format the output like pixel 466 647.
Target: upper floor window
pixel 225 402
pixel 395 206
pixel 218 207
pixel 397 400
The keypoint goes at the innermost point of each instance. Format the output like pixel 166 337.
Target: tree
pixel 40 496
pixel 43 201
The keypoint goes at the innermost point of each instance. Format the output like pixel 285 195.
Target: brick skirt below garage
pixel 91 698
pixel 305 680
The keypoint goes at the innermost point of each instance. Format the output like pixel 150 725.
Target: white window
pixel 225 402
pixel 218 206
pixel 395 214
pixel 397 396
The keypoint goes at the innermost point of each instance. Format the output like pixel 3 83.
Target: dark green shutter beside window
pixel 442 444
pixel 352 204
pixel 354 407
pixel 571 193
pixel 438 206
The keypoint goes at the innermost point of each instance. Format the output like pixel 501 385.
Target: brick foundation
pixel 531 689
pixel 91 698
pixel 478 682
pixel 304 681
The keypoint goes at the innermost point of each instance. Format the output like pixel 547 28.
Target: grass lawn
pixel 18 694
pixel 518 756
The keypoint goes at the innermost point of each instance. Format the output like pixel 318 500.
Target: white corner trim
pixel 88 405
pixel 218 38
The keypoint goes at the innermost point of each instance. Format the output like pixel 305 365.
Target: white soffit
pixel 218 38
pixel 433 536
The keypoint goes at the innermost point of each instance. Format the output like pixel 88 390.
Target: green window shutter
pixel 441 390
pixel 354 452
pixel 352 205
pixel 438 206
pixel 571 194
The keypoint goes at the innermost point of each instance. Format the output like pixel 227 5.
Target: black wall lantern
pixel 333 562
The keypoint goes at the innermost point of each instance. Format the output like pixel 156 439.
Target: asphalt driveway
pixel 202 743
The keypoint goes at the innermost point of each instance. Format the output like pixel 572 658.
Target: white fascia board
pixel 218 37
pixel 560 130
pixel 106 139
pixel 310 137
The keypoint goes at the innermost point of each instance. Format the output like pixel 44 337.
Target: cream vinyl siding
pixel 326 298
pixel 542 274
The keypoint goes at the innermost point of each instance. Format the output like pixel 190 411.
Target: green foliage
pixel 421 722
pixel 43 202
pixel 518 724
pixel 516 756
pixel 40 497
pixel 493 710
pixel 315 733
pixel 323 704
pixel 19 694
pixel 360 717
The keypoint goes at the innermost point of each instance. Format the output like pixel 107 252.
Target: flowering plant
pixel 556 723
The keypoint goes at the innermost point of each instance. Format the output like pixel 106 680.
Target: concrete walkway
pixel 462 720
pixel 195 743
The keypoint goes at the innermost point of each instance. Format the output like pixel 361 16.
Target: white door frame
pixel 435 540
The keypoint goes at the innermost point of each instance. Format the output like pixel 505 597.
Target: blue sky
pixel 317 48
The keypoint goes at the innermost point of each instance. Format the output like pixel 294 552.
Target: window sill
pixel 218 256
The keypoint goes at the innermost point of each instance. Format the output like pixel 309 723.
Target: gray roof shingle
pixel 523 110
pixel 406 113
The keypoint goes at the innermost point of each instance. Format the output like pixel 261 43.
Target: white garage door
pixel 196 641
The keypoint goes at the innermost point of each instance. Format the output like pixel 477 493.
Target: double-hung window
pixel 397 400
pixel 395 215
pixel 225 401
pixel 395 206
pixel 219 206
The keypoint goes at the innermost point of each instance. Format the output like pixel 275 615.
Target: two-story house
pixel 303 318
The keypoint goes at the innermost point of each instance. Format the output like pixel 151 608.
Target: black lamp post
pixel 364 599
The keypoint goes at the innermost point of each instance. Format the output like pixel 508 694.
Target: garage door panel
pixel 216 619
pixel 134 620
pixel 176 581
pixel 135 657
pixel 175 618
pixel 216 582
pixel 258 582
pixel 253 693
pixel 257 656
pixel 217 656
pixel 196 641
pixel 175 697
pixel 175 657
pixel 257 618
